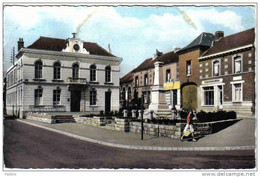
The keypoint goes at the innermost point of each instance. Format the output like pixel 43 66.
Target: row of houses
pixel 58 75
pixel 211 73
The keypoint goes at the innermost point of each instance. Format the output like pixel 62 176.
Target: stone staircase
pixel 63 119
pixel 242 111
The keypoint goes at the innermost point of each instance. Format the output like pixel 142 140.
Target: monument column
pixel 158 102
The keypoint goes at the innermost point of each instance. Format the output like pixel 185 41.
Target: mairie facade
pixel 56 75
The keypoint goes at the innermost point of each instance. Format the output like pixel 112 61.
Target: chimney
pixel 219 35
pixel 175 48
pixel 20 44
pixel 74 35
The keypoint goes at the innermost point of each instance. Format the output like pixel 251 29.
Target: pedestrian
pixel 189 125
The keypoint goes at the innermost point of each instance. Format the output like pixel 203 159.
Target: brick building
pixel 227 74
pixel 126 87
pixel 188 69
pixel 63 75
pixel 141 79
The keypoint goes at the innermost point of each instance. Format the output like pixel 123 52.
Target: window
pixel 237 92
pixel 129 93
pixel 92 73
pixel 216 68
pixel 237 64
pixel 108 74
pixel 56 96
pixel 38 96
pixel 168 75
pixel 208 96
pixel 146 79
pixel 56 70
pixel 38 70
pixel 93 97
pixel 75 70
pixel 188 68
pixel 136 81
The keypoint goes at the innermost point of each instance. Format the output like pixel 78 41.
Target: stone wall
pixel 122 125
pixel 92 121
pixel 41 117
pixel 170 131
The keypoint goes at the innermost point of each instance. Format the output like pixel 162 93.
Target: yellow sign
pixel 172 85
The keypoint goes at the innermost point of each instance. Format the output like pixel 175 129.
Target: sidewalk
pixel 240 136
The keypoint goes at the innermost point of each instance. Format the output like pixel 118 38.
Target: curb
pixel 229 148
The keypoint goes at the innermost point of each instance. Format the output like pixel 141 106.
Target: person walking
pixel 189 125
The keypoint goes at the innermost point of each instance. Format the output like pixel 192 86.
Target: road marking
pixel 153 148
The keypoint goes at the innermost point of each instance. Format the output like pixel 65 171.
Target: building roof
pixel 54 44
pixel 204 39
pixel 129 77
pixel 231 42
pixel 166 58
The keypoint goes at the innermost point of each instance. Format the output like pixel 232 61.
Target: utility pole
pixel 142 118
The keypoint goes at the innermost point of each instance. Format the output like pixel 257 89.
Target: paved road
pixel 27 146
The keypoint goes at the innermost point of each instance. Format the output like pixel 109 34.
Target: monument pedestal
pixel 158 104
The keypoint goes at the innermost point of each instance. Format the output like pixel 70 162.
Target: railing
pixel 47 108
pixel 77 80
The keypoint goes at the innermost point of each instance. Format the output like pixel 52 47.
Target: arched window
pixel 38 69
pixel 56 70
pixel 75 70
pixel 93 73
pixel 108 74
pixel 93 97
pixel 123 94
pixel 129 93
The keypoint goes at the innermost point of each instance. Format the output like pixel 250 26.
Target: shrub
pixel 215 116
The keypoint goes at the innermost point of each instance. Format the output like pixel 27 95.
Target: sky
pixel 133 32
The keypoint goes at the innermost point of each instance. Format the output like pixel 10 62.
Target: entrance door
pixel 107 102
pixel 189 97
pixel 174 98
pixel 75 101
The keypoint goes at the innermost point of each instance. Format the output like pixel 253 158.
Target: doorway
pixel 107 102
pixel 174 98
pixel 75 101
pixel 189 97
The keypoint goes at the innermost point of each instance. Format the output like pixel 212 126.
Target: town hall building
pixel 58 75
